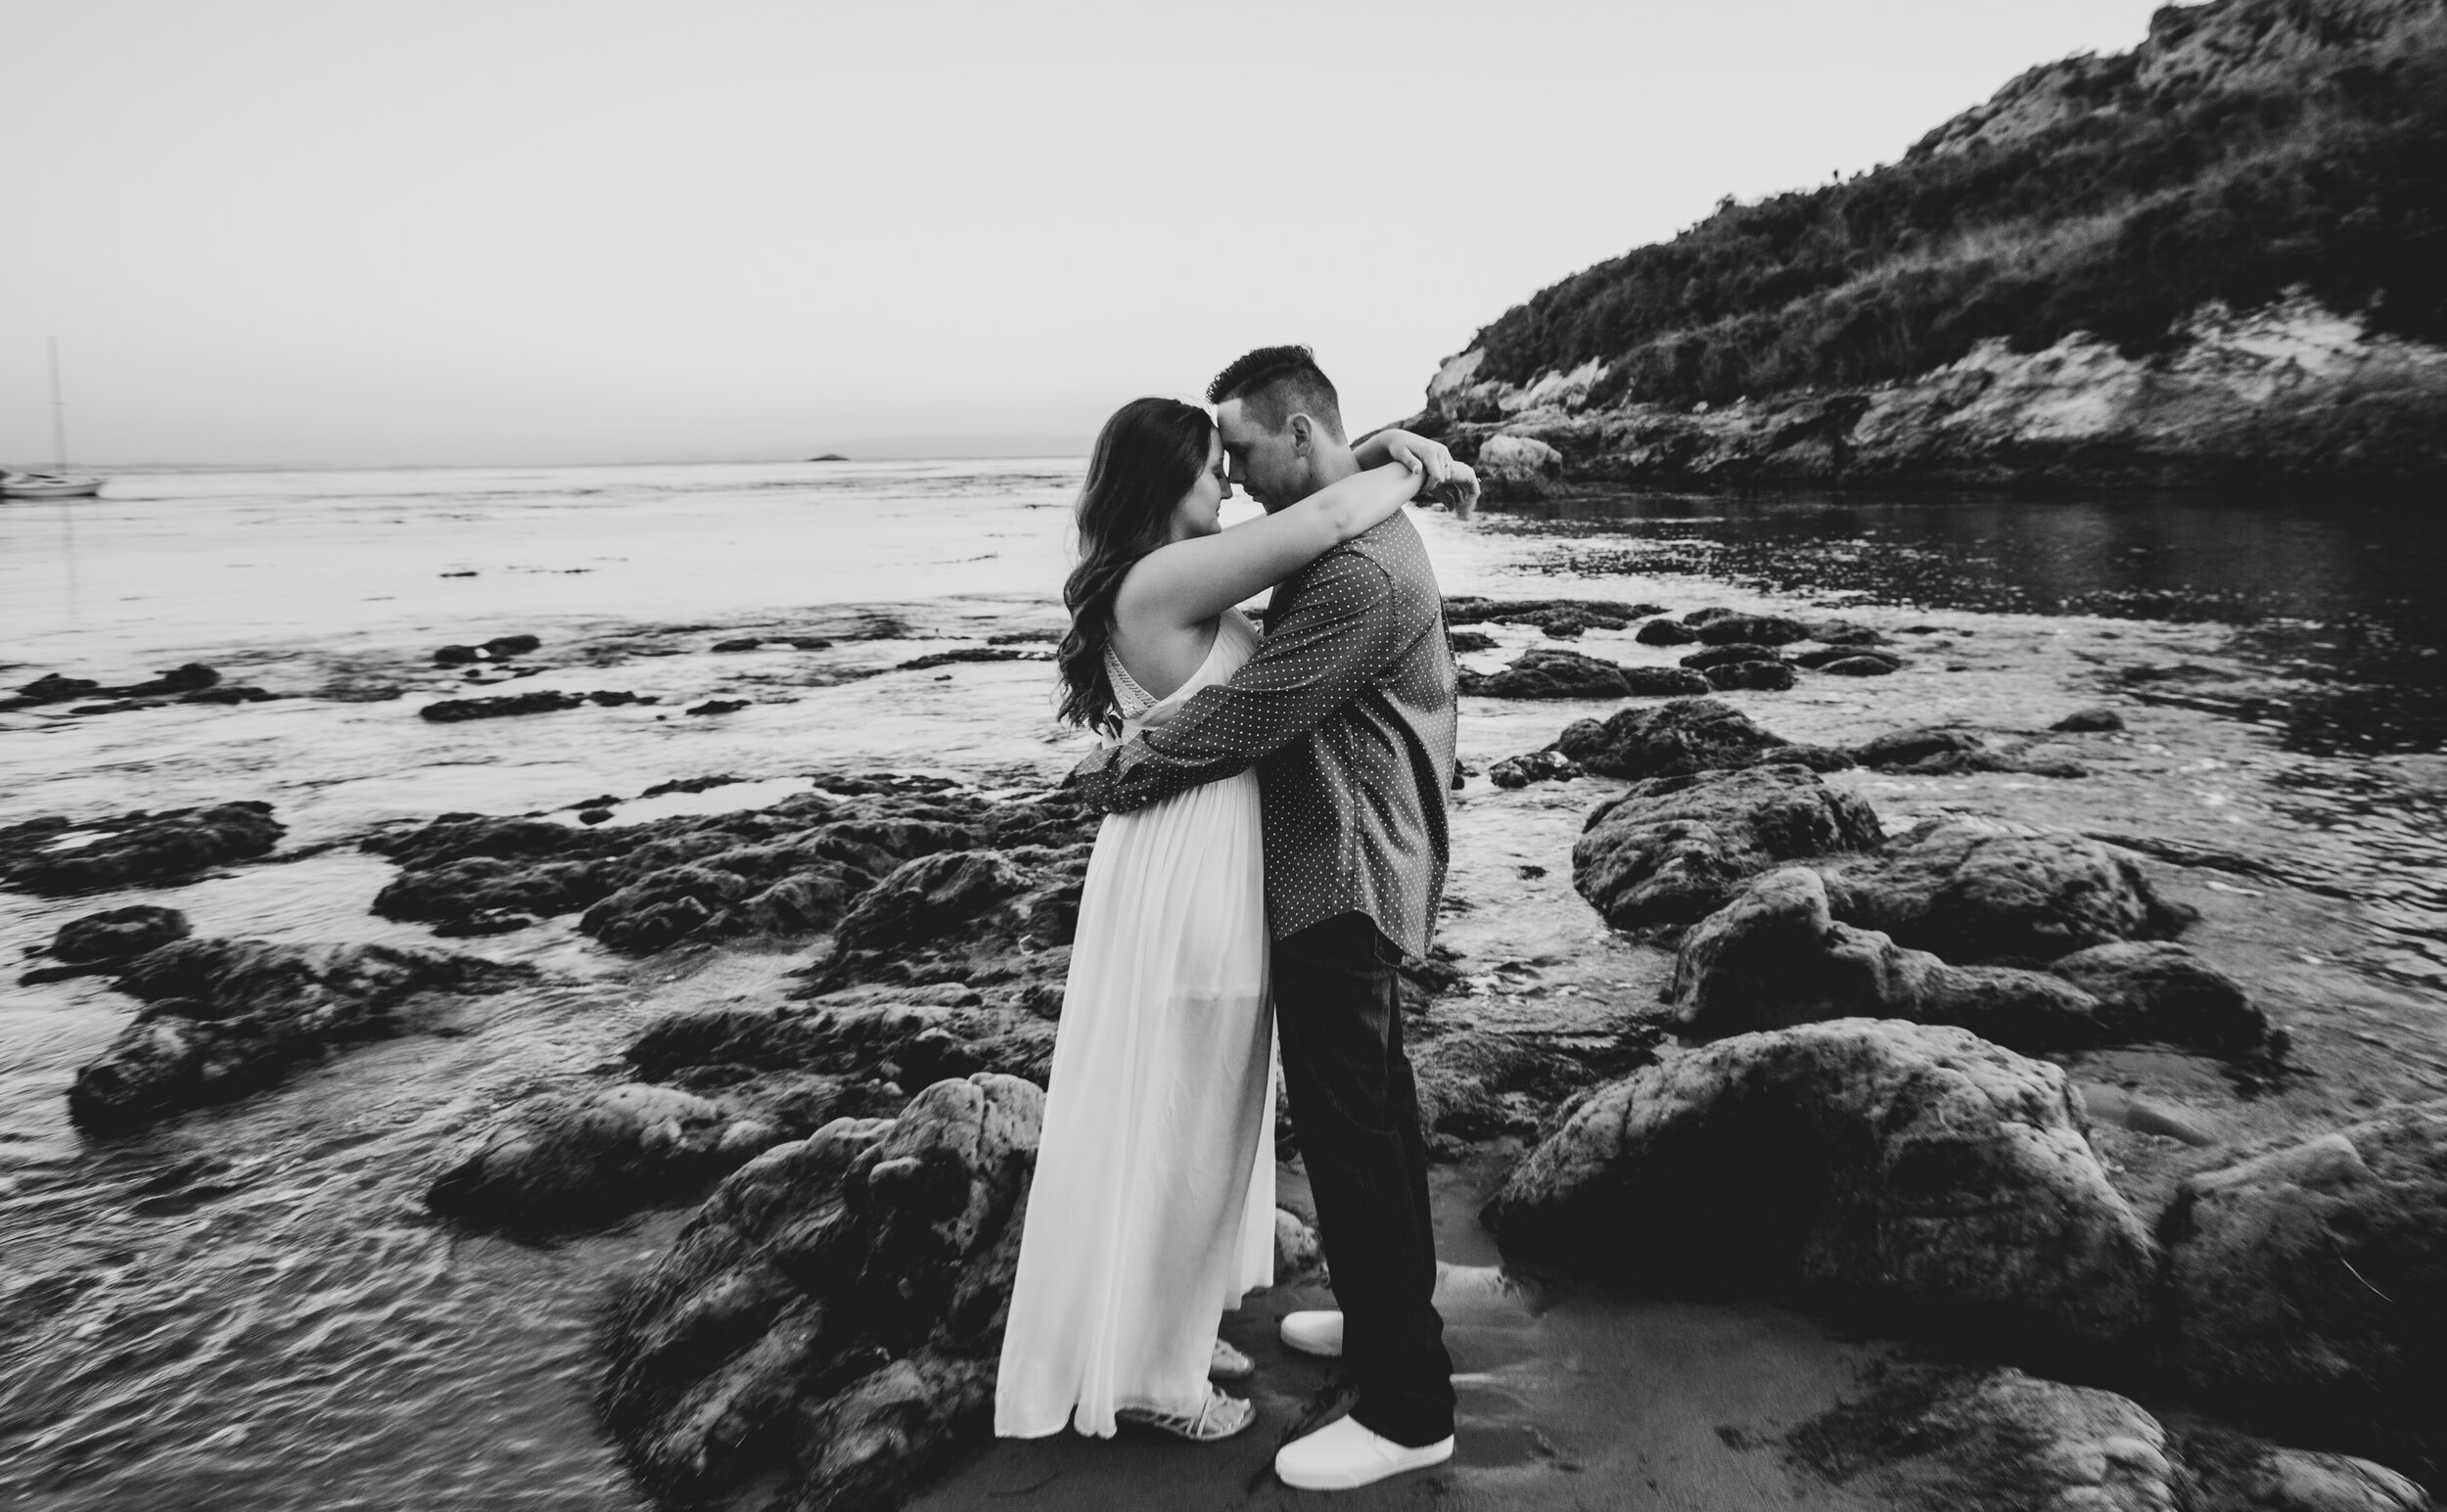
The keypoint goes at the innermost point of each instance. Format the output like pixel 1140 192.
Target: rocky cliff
pixel 2218 260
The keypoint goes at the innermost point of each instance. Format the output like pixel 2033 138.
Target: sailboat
pixel 58 484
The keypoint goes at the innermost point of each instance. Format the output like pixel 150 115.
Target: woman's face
pixel 1200 509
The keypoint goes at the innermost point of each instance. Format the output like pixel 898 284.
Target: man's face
pixel 1266 464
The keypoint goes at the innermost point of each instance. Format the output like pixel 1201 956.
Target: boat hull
pixel 61 489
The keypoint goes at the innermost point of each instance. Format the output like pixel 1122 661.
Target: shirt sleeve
pixel 1320 653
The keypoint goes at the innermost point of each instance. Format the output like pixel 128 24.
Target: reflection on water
pixel 2343 597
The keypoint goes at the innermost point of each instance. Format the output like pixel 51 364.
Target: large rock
pixel 573 1157
pixel 1973 892
pixel 1753 630
pixel 1773 957
pixel 1833 656
pixel 501 647
pixel 1666 682
pixel 975 916
pixel 2307 1285
pixel 1844 632
pixel 1477 1085
pixel 1936 751
pixel 224 1017
pixel 1562 619
pixel 1533 766
pixel 1673 850
pixel 116 934
pixel 579 1159
pixel 1666 633
pixel 1551 674
pixel 1988 1439
pixel 536 701
pixel 1757 676
pixel 2232 1473
pixel 1903 750
pixel 1725 654
pixel 1936 1439
pixel 2095 718
pixel 793 868
pixel 189 683
pixel 1518 466
pixel 831 1317
pixel 910 1037
pixel 2156 989
pixel 58 857
pixel 1541 674
pixel 1916 1172
pixel 1669 739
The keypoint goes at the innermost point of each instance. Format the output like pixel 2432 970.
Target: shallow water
pixel 247 1306
pixel 2340 595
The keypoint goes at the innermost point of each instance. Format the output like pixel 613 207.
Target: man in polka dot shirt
pixel 1347 712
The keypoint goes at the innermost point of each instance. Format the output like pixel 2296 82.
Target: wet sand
pixel 1571 1397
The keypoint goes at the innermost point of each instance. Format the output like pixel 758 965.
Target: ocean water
pixel 247 1306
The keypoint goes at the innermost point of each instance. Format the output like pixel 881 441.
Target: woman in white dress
pixel 1153 1206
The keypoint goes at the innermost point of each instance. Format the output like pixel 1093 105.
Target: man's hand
pixel 1458 490
pixel 1414 451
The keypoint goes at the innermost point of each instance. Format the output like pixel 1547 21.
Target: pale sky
pixel 530 231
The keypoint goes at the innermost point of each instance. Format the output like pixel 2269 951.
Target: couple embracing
pixel 1276 842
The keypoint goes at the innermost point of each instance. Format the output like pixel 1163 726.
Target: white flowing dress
pixel 1152 1210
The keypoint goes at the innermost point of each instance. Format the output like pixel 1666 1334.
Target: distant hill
pixel 2244 220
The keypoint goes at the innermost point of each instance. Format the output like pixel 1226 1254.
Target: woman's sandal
pixel 1230 1364
pixel 1218 1417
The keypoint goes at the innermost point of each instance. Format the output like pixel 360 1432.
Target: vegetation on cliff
pixel 2246 148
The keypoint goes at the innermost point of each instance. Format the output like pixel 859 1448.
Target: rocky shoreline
pixel 1717 1015
pixel 2287 397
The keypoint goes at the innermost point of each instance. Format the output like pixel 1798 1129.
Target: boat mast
pixel 58 411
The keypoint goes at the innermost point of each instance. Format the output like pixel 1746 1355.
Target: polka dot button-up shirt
pixel 1347 712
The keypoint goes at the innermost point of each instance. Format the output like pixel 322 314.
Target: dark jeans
pixel 1357 1111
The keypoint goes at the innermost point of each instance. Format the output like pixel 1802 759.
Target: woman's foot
pixel 1230 1364
pixel 1218 1417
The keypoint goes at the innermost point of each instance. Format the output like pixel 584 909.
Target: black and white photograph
pixel 780 755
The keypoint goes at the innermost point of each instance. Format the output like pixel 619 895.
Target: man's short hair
pixel 1276 383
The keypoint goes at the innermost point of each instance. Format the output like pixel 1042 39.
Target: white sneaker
pixel 1342 1454
pixel 1315 1333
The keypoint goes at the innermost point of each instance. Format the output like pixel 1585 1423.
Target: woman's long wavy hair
pixel 1147 456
